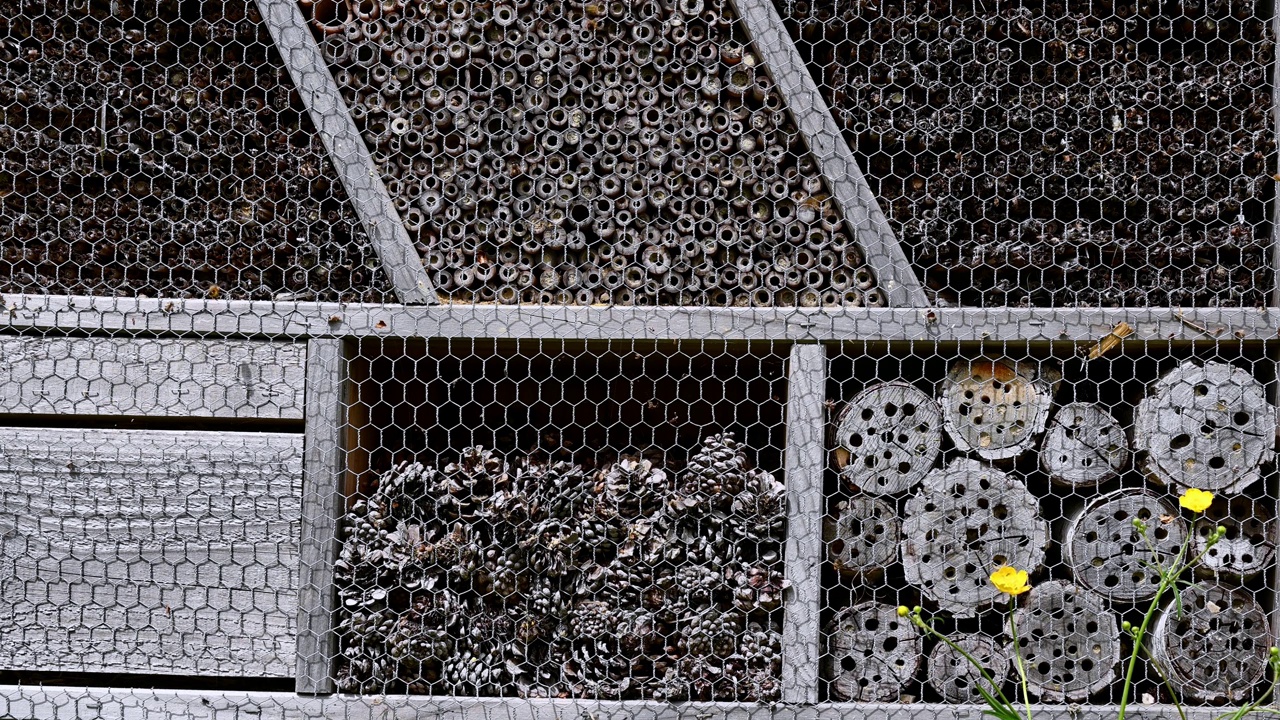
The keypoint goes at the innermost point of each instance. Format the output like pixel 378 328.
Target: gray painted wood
pixel 967 520
pixel 1083 446
pixel 324 465
pixel 148 551
pixel 871 653
pixel 1108 556
pixel 1205 426
pixel 1056 617
pixel 351 159
pixel 74 703
pixel 997 407
pixel 863 537
pixel 849 188
pixel 151 377
pixel 887 438
pixel 804 467
pixel 956 679
pixel 295 320
pixel 1215 645
pixel 1250 542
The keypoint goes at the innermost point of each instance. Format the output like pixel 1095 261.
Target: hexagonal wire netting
pixel 247 502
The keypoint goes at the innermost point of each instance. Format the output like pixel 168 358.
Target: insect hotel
pixel 647 359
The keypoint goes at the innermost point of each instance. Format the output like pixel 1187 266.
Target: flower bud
pixel 902 611
pixel 1126 626
pixel 1139 525
pixel 916 610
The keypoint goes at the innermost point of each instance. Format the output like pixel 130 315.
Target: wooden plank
pixel 160 378
pixel 203 318
pixel 805 461
pixel 324 464
pixel 347 152
pixel 148 551
pixel 72 703
pixel 849 188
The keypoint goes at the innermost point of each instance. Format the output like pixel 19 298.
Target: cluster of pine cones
pixel 548 580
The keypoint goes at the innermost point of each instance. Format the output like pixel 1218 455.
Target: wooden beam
pixel 148 551
pixel 805 462
pixel 149 377
pixel 347 152
pixel 72 703
pixel 292 321
pixel 835 159
pixel 324 466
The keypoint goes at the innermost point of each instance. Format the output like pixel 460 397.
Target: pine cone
pixel 633 487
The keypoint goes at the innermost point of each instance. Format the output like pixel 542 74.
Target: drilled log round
pixel 864 536
pixel 1215 648
pixel 1249 544
pixel 871 653
pixel 1207 427
pixel 887 438
pixel 1106 552
pixel 1083 446
pixel 996 407
pixel 1069 642
pixel 967 520
pixel 956 679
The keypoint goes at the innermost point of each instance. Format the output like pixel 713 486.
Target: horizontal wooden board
pixel 149 551
pixel 155 377
pixel 72 703
pixel 243 318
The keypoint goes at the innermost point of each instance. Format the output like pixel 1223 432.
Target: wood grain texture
pixel 72 703
pixel 140 376
pixel 805 458
pixel 294 320
pixel 324 466
pixel 148 551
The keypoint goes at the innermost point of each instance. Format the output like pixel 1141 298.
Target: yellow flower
pixel 1010 581
pixel 1196 500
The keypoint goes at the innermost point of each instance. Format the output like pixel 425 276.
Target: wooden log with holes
pixel 1208 427
pixel 1249 544
pixel 871 653
pixel 863 536
pixel 1069 642
pixel 996 407
pixel 1083 446
pixel 1215 647
pixel 887 438
pixel 966 520
pixel 149 551
pixel 956 679
pixel 1107 554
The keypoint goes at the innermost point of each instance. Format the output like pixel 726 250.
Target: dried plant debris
pixel 1061 152
pixel 546 580
pixel 634 153
pixel 159 149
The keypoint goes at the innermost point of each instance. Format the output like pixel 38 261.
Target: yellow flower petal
pixel 1010 581
pixel 1196 500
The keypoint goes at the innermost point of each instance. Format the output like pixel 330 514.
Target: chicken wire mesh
pixel 1061 153
pixel 158 149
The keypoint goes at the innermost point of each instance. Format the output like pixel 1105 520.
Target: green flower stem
pixel 1168 685
pixel 1167 578
pixel 965 654
pixel 1017 661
